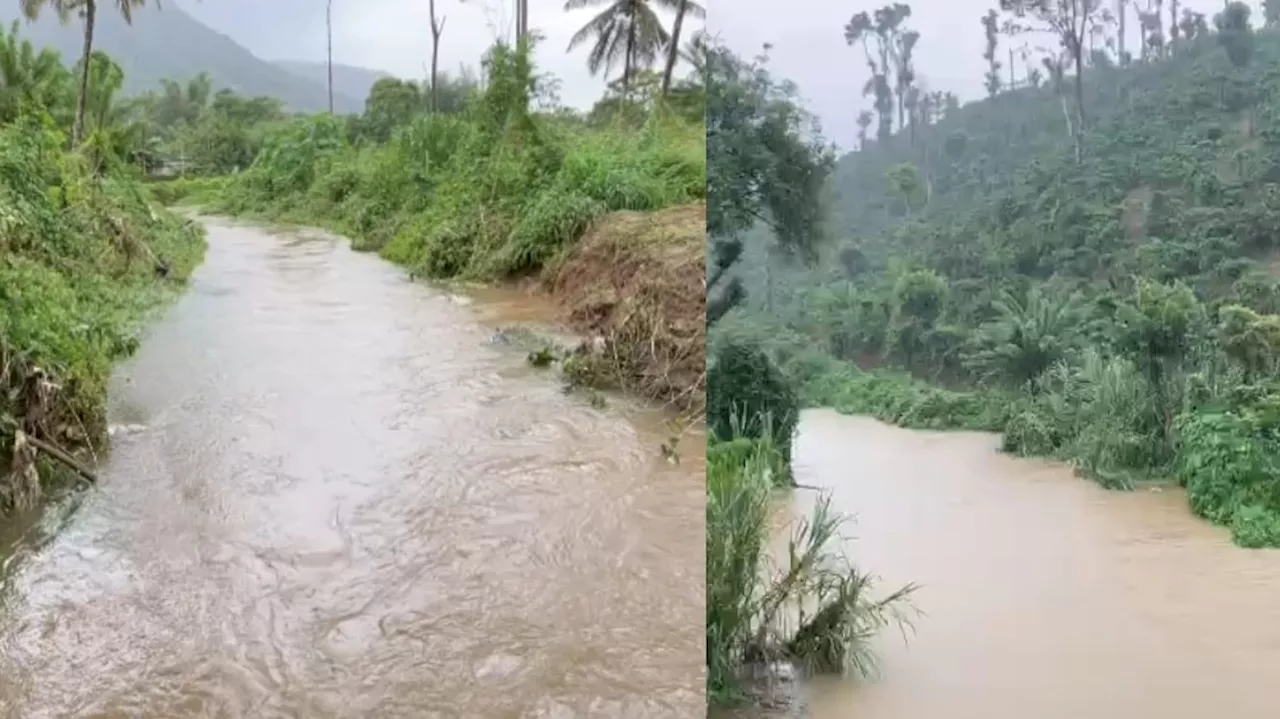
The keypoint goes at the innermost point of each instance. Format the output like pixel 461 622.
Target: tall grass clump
pixel 813 609
pixel 494 191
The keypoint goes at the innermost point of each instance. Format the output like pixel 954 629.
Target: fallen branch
pixel 63 457
pixel 807 486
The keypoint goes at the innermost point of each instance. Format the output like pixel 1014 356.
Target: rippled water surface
pixel 1045 596
pixel 343 501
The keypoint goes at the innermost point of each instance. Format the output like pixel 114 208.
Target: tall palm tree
pixel 625 30
pixel 684 7
pixel 87 10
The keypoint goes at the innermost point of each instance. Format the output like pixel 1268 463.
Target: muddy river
pixel 334 497
pixel 1044 595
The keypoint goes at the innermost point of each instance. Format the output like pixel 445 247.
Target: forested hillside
pixel 167 43
pixel 1087 262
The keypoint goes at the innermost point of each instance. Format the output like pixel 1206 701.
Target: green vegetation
pixel 84 258
pixel 1085 261
pixel 491 188
pixel 817 610
pixel 487 193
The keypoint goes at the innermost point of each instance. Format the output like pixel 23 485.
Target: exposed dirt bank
pixel 637 281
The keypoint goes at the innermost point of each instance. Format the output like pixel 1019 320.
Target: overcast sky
pixel 395 35
pixel 809 47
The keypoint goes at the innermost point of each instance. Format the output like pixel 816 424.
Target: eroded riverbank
pixel 1043 594
pixel 345 502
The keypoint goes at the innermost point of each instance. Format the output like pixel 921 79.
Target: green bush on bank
pixel 747 396
pixel 81 253
pixel 494 191
pixel 194 190
pixel 902 400
pixel 1223 446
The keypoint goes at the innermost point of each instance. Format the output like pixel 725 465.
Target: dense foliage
pixel 747 396
pixel 494 190
pixel 1085 262
pixel 83 258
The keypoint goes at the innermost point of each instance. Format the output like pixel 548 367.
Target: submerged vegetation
pixel 816 611
pixel 83 258
pixel 1085 261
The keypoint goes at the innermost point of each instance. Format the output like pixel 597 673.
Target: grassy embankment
pixel 1118 312
pixel 608 219
pixel 84 259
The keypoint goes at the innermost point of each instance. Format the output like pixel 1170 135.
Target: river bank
pixel 85 261
pixel 1041 595
pixel 296 526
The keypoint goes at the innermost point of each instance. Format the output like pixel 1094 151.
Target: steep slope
pixel 348 80
pixel 1178 181
pixel 169 43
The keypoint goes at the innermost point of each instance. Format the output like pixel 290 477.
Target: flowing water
pixel 339 500
pixel 1044 596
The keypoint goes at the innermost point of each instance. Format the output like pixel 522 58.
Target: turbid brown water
pixel 344 502
pixel 1045 596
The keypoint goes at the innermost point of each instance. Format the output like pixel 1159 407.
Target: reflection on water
pixel 345 503
pixel 1044 595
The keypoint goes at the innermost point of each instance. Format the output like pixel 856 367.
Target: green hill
pixel 169 43
pixel 1115 306
pixel 348 80
pixel 1176 182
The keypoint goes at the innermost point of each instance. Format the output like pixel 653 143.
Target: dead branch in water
pixel 66 459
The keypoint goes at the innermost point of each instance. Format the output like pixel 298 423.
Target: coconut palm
pixel 626 31
pixel 88 10
pixel 684 7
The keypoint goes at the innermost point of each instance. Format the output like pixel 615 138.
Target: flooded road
pixel 1045 596
pixel 342 501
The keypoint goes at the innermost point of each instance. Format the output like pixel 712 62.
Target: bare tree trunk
pixel 1080 89
pixel 437 29
pixel 1159 17
pixel 328 22
pixel 673 52
pixel 1121 11
pixel 631 49
pixel 90 15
